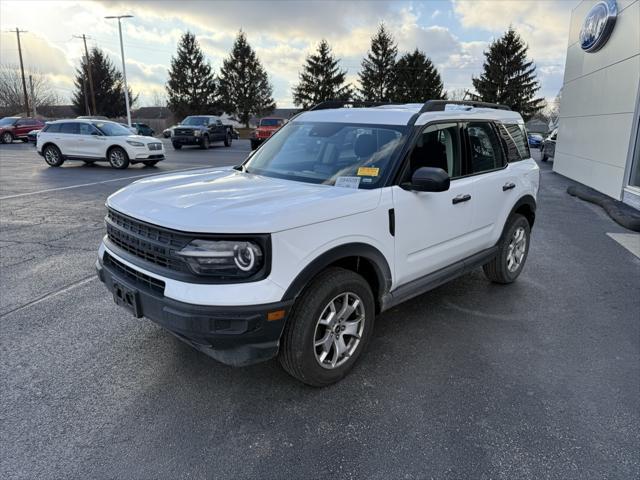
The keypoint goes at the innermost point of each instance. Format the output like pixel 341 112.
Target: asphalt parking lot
pixel 539 379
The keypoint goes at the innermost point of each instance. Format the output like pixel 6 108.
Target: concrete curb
pixel 620 212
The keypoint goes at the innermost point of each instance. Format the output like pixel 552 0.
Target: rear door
pixel 497 185
pixel 434 229
pixel 69 141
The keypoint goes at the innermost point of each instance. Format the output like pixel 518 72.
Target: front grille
pixel 183 131
pixel 145 241
pixel 155 146
pixel 140 279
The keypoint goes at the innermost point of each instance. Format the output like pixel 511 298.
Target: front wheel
pixel 227 140
pixel 52 156
pixel 177 146
pixel 118 158
pixel 329 328
pixel 254 144
pixel 512 251
pixel 205 143
pixel 7 137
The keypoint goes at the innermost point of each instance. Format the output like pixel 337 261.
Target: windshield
pixel 340 154
pixel 195 121
pixel 8 121
pixel 111 129
pixel 271 122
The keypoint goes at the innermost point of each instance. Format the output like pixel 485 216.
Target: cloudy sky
pixel 453 33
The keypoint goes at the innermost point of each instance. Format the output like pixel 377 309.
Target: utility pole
pixel 86 97
pixel 86 56
pixel 24 82
pixel 33 95
pixel 124 69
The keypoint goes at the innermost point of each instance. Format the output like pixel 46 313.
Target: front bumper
pixel 233 335
pixel 187 140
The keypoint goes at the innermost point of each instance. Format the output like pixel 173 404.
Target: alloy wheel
pixel 117 158
pixel 339 330
pixel 517 249
pixel 7 138
pixel 51 156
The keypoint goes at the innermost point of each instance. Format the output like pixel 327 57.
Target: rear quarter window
pixel 515 141
pixel 52 128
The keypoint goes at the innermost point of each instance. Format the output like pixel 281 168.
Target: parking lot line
pixel 26 194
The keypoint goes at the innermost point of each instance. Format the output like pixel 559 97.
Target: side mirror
pixel 428 179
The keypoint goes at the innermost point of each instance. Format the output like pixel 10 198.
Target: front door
pixel 434 229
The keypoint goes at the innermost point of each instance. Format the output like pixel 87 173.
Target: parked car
pixel 266 127
pixel 535 140
pixel 96 141
pixel 201 130
pixel 32 136
pixel 343 214
pixel 549 146
pixel 131 128
pixel 166 133
pixel 92 117
pixel 143 129
pixel 17 128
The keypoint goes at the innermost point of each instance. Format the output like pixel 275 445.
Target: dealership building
pixel 598 142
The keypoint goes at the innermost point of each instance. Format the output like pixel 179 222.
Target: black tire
pixel 151 163
pixel 227 140
pixel 176 146
pixel 298 351
pixel 499 270
pixel 118 158
pixel 52 156
pixel 24 140
pixel 204 144
pixel 6 137
pixel 254 144
pixel 544 157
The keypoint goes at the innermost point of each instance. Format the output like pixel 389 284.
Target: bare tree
pixel 11 93
pixel 458 94
pixel 158 99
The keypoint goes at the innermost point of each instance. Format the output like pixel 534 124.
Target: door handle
pixel 461 198
pixel 508 186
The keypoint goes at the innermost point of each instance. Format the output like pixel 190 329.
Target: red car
pixel 12 128
pixel 266 127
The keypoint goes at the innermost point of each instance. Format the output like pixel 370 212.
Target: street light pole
pixel 124 69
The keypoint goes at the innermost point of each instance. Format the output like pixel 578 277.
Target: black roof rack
pixel 439 105
pixel 327 104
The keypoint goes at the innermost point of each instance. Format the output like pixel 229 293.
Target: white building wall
pixel 599 101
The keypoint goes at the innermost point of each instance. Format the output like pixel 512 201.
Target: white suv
pixel 340 215
pixel 95 141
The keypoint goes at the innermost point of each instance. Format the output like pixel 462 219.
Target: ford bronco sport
pixel 341 214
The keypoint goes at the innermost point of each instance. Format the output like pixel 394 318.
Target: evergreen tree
pixel 244 88
pixel 376 77
pixel 508 77
pixel 416 79
pixel 321 79
pixel 191 86
pixel 108 85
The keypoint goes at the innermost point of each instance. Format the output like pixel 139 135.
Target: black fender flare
pixel 527 200
pixel 318 264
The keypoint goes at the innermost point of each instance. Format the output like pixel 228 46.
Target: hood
pixel 228 201
pixel 143 139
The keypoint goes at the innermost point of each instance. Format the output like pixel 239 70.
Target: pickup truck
pixel 201 130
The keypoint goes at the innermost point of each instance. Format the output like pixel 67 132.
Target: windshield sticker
pixel 368 171
pixel 348 182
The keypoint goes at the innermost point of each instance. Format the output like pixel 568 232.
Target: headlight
pixel 133 143
pixel 197 133
pixel 224 258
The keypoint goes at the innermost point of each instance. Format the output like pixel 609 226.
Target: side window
pixel 21 123
pixel 71 128
pixel 86 128
pixel 485 149
pixel 52 128
pixel 439 147
pixel 514 141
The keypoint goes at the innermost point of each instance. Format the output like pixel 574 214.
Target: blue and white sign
pixel 598 25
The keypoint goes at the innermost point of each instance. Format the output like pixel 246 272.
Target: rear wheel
pixel 329 327
pixel 118 158
pixel 205 143
pixel 7 137
pixel 512 251
pixel 177 146
pixel 52 156
pixel 227 140
pixel 151 163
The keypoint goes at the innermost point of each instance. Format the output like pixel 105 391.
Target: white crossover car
pixel 94 141
pixel 343 213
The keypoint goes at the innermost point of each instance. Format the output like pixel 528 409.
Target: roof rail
pixel 327 104
pixel 440 105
